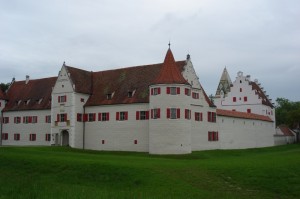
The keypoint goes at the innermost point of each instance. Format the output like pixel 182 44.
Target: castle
pixel 159 108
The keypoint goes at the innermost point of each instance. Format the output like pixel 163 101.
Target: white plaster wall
pixel 118 135
pixel 170 136
pixel 41 128
pixel 238 133
pixel 190 75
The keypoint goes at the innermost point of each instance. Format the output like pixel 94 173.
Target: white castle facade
pixel 159 108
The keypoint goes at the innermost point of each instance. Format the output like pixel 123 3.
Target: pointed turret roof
pixel 169 73
pixel 225 83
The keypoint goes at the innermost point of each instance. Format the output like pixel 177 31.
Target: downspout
pixel 83 134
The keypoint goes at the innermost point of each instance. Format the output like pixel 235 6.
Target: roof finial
pixel 169 44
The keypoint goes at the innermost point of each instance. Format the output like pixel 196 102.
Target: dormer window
pixel 131 93
pixel 109 96
pixel 26 102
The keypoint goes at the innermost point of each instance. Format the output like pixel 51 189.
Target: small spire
pixel 169 44
pixel 64 63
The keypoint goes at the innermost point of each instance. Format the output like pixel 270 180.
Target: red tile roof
pixel 261 94
pixel 81 79
pixel 169 73
pixel 285 130
pixel 244 115
pixel 121 81
pixel 22 96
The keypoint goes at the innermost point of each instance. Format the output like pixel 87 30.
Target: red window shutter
pixel 107 116
pixel 195 116
pixel 186 91
pixel 30 119
pixel 178 113
pixel 234 99
pixel 58 99
pixel 126 115
pixel 152 113
pixel 94 116
pixel 152 91
pixel 147 115
pixel 99 116
pixel 159 90
pixel 158 113
pixel 168 113
pixel 208 116
pixel 178 90
pixel 137 115
pixel 185 113
pixel 66 117
pixel 117 115
pixel 245 99
pixel 168 90
pixel 85 117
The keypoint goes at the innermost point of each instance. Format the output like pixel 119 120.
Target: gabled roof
pixel 261 94
pixel 35 95
pixel 244 115
pixel 81 79
pixel 120 82
pixel 285 130
pixel 169 73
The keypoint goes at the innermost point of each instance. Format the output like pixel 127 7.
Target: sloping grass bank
pixel 57 172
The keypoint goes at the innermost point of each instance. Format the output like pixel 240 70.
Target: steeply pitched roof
pixel 35 95
pixel 244 115
pixel 81 78
pixel 121 82
pixel 261 94
pixel 285 130
pixel 169 73
pixel 225 83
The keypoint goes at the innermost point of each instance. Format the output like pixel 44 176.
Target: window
pixel 103 141
pixel 155 91
pixel 173 90
pixel 234 99
pixel 245 99
pixel 248 110
pixel 91 117
pixel 187 114
pixel 79 117
pixel 213 136
pixel 241 90
pixel 195 95
pixel 187 92
pixel 130 94
pixel 26 120
pixel 121 116
pixel 173 113
pixel 34 119
pixel 62 117
pixel 211 116
pixel 32 137
pixel 135 141
pixel 155 113
pixel 62 99
pixel 48 137
pixel 142 115
pixel 4 136
pixel 81 99
pixel 5 120
pixel 103 116
pixel 198 116
pixel 17 136
pixel 109 96
pixel 48 119
pixel 17 120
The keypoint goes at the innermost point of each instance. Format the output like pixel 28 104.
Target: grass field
pixel 57 172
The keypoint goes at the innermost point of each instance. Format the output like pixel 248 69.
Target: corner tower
pixel 169 104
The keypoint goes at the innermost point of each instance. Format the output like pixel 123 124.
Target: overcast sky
pixel 259 37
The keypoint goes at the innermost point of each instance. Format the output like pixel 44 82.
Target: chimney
pixel 27 79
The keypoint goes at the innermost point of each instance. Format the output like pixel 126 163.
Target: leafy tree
pixel 4 86
pixel 287 112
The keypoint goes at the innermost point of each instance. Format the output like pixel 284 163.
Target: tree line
pixel 287 112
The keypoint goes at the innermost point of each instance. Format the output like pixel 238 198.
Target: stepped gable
pixel 169 73
pixel 35 95
pixel 261 94
pixel 244 115
pixel 119 83
pixel 81 79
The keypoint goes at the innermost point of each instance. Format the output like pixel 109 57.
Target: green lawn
pixel 57 172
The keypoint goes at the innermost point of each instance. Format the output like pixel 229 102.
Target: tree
pixel 4 86
pixel 288 112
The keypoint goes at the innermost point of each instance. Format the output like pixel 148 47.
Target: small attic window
pixel 26 102
pixel 131 93
pixel 40 100
pixel 109 96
